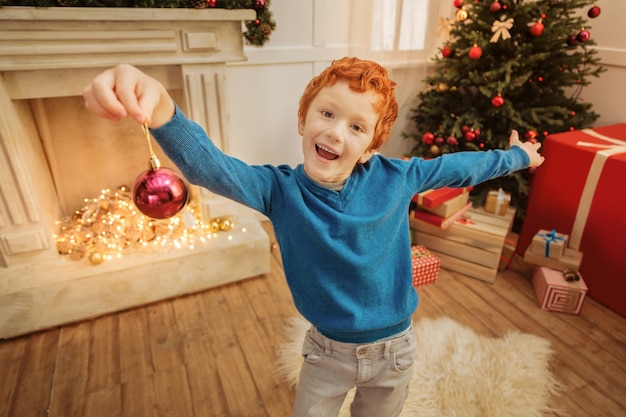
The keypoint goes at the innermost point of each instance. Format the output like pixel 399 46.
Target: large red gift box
pixel 425 265
pixel 580 191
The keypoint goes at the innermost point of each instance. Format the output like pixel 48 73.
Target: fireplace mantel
pixel 47 56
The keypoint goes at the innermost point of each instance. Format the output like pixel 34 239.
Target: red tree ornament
pixel 583 35
pixel 458 3
pixel 452 141
pixel 537 29
pixel 475 52
pixel 497 101
pixel 428 138
pixel 594 12
pixel 447 52
pixel 531 135
pixel 259 4
pixel 211 3
pixel 495 7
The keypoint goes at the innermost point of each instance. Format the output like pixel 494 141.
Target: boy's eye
pixel 327 113
pixel 356 128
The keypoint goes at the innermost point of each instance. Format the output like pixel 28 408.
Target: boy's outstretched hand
pixel 531 149
pixel 126 91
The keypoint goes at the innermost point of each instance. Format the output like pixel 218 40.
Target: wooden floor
pixel 212 353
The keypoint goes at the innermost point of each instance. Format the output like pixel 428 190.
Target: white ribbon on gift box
pixel 617 147
pixel 501 198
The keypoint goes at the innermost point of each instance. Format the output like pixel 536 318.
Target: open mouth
pixel 326 153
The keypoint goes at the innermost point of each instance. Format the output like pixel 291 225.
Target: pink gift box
pixel 556 293
pixel 425 265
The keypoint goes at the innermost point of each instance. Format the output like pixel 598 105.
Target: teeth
pixel 326 149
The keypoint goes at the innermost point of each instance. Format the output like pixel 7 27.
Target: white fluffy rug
pixel 459 373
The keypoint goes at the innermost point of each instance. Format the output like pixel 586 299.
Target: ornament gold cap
pixel 154 162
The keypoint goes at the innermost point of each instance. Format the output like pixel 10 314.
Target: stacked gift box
pixel 557 281
pixel 441 207
pixel 425 265
pixel 470 243
pixel 578 191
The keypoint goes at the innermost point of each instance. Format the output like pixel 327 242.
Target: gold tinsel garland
pixel 110 225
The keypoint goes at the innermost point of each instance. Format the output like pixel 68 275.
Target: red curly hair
pixel 362 75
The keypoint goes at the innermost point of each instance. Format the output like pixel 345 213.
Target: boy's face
pixel 337 132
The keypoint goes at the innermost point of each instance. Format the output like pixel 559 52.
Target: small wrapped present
pixel 425 265
pixel 435 197
pixel 497 202
pixel 450 207
pixel 563 291
pixel 549 243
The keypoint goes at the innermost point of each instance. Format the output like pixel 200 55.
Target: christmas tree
pixel 507 64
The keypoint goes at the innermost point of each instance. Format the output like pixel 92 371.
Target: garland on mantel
pixel 257 32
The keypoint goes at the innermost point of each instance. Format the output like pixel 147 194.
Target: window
pixel 399 25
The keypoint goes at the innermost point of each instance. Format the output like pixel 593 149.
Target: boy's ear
pixel 367 155
pixel 300 126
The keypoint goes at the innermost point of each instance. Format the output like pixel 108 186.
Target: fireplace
pixel 54 154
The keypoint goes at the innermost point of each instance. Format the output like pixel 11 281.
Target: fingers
pixel 100 98
pixel 133 90
pixel 115 94
pixel 514 136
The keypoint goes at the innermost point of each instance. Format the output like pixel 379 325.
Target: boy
pixel 340 220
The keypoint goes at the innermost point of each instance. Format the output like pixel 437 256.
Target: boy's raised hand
pixel 532 149
pixel 126 91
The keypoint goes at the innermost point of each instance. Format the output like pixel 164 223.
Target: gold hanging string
pixel 154 161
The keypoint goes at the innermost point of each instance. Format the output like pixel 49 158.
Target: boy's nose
pixel 334 131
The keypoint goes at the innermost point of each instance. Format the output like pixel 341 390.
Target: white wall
pixel 263 92
pixel 608 93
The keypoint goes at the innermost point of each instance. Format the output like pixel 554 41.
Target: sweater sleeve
pixel 462 169
pixel 202 163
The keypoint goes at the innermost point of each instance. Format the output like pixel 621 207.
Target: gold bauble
pixel 96 257
pixel 461 15
pixel 215 226
pixel 442 87
pixel 226 225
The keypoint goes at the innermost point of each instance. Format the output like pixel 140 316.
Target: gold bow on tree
pixel 501 29
pixel 444 28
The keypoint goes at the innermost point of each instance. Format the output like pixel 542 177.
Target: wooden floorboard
pixel 213 353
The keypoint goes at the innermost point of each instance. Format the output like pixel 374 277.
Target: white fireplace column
pixel 51 54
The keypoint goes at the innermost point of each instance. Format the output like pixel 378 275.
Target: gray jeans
pixel 380 371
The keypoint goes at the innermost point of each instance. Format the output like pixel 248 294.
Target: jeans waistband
pixel 362 349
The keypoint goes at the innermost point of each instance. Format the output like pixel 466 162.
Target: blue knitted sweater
pixel 346 254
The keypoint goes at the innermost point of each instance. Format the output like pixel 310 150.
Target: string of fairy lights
pixel 110 225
